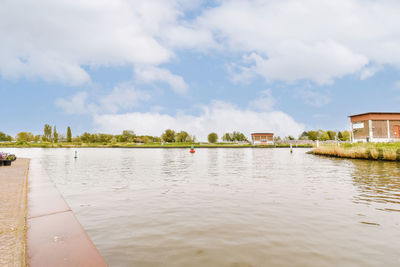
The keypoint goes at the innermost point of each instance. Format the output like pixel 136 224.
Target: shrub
pixel 212 138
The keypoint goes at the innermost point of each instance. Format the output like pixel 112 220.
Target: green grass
pixel 395 145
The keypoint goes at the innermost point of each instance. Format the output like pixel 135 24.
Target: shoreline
pixel 54 236
pixel 37 226
pixel 375 152
pixel 149 146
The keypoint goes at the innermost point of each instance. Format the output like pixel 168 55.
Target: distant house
pixel 376 127
pixel 262 138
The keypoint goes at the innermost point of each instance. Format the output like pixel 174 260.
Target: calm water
pixel 229 207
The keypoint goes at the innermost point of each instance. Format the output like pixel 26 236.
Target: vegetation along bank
pixel 371 151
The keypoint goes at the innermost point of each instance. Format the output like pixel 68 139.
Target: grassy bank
pixel 136 145
pixel 371 151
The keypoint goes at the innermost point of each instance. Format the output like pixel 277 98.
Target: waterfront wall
pixel 54 235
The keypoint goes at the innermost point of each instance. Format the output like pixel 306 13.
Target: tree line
pixel 50 134
pixel 322 135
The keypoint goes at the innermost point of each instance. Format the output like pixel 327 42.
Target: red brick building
pixel 376 127
pixel 262 138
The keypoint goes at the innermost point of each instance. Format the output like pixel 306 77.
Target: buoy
pixel 192 149
pixel 76 155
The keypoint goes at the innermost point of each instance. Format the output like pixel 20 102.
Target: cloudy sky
pixel 280 66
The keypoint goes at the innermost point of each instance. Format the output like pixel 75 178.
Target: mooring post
pixel 76 154
pixel 291 148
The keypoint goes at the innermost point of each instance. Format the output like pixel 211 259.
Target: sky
pixel 281 66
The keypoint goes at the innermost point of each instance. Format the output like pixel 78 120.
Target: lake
pixel 229 207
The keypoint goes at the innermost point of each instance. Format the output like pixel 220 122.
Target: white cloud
pixel 317 40
pixel 264 102
pixel 77 104
pixel 287 40
pixel 295 61
pixel 56 40
pixel 219 116
pixel 123 97
pixel 368 72
pixel 151 74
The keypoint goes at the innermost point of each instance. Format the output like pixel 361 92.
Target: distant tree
pixel 94 138
pixel 312 135
pixel 55 135
pixel 61 138
pixel 129 135
pixel 46 133
pixel 105 138
pixel 156 139
pixel 277 138
pixel 25 137
pixel 346 136
pixel 126 136
pixel 69 134
pixel 303 136
pixel 238 136
pixel 322 135
pixel 340 136
pixel 37 138
pixel 227 137
pixel 168 136
pixel 212 137
pixel 145 139
pixel 120 138
pixel 86 137
pixel 76 139
pixel 182 136
pixel 331 135
pixel 5 137
pixel 191 139
pixel 289 137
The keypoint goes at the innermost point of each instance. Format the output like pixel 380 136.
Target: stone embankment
pixel 37 227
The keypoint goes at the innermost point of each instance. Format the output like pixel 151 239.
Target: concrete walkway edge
pixel 54 235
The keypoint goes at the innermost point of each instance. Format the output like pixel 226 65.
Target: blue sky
pixel 275 66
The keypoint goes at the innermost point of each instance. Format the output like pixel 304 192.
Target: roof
pixel 262 134
pixel 370 113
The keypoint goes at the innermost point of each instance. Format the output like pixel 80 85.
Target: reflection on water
pixel 229 207
pixel 377 183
